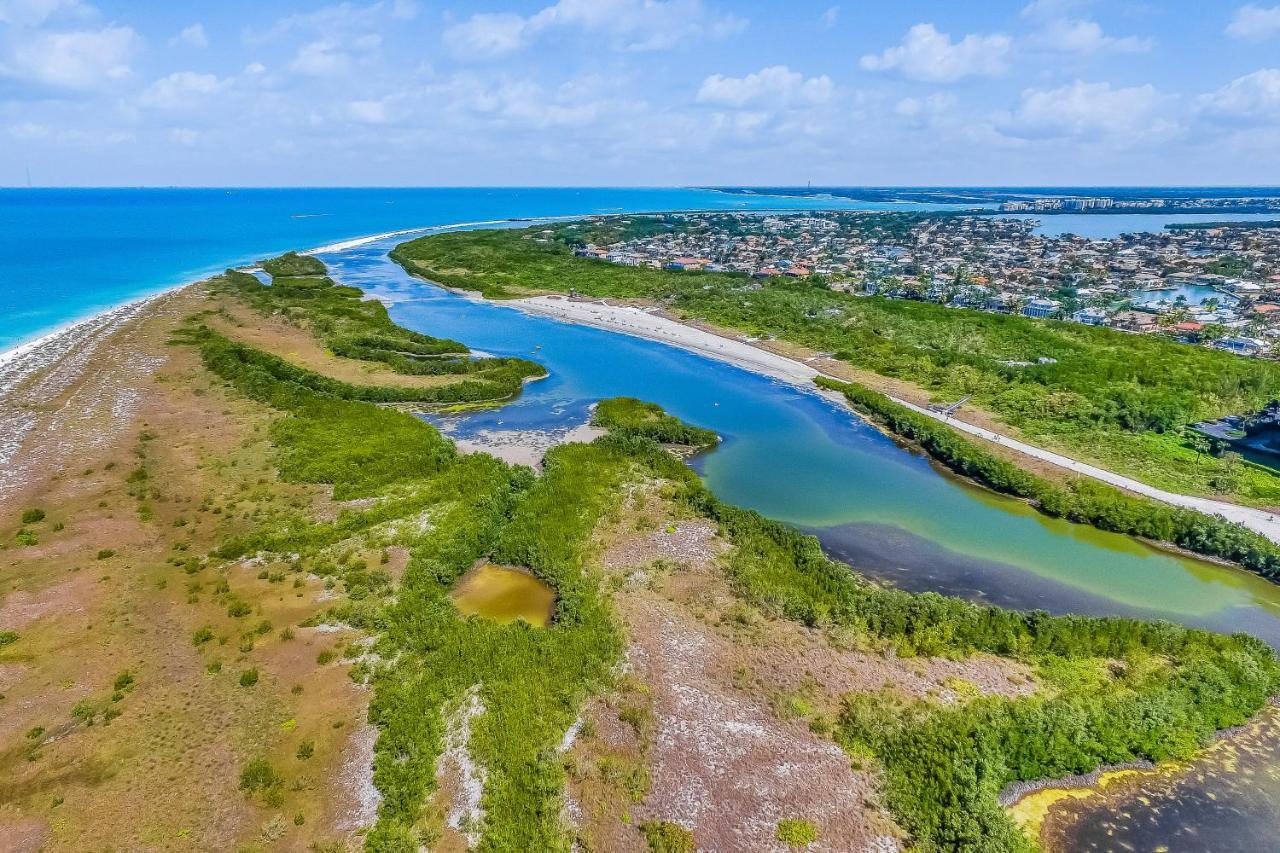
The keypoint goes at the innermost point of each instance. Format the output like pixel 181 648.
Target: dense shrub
pixel 663 836
pixel 1083 500
pixel 942 766
pixel 797 832
pixel 631 417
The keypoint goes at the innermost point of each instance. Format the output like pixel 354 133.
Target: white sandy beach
pixel 65 334
pixel 73 344
pixel 646 323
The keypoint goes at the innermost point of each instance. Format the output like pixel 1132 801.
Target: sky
pixel 639 92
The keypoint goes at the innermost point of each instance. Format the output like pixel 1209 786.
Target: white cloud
pixel 367 112
pixel 33 13
pixel 404 10
pixel 1254 96
pixel 932 105
pixel 320 58
pixel 80 59
pixel 1094 110
pixel 1078 36
pixel 192 36
pixel 488 35
pixel 1255 23
pixel 182 89
pixel 830 17
pixel 776 84
pixel 926 54
pixel 338 22
pixel 184 136
pixel 1046 9
pixel 631 25
pixel 510 103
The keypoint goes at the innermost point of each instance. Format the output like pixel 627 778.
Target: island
pixel 277 634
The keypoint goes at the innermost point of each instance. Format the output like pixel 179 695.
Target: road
pixel 745 353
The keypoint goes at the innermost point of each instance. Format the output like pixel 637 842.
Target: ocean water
pixel 68 253
pixel 1104 226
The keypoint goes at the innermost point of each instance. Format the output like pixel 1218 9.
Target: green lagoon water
pixel 799 458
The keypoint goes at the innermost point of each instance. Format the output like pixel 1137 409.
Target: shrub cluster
pixel 1083 500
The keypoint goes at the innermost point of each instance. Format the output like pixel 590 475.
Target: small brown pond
pixel 504 595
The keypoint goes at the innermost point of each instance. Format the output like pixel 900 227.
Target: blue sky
pixel 639 92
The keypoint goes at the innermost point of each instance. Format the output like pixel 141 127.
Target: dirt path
pixel 723 764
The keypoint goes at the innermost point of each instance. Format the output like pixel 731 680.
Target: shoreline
pixel 650 324
pixel 24 346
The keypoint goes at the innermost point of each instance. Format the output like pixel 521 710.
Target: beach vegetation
pixel 522 687
pixel 1119 399
pixel 1081 500
pixel 629 416
pixel 797 832
pixel 664 836
pixel 259 776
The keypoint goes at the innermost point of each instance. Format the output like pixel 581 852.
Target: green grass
pixel 797 832
pixel 1105 396
pixel 1082 500
pixel 353 327
pixel 638 418
pixel 943 766
pixel 293 264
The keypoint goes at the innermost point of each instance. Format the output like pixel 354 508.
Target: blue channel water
pixel 796 457
pixel 66 254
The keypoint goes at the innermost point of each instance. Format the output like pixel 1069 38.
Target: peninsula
pixel 265 503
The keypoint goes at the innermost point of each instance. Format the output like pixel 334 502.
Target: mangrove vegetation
pixel 1110 689
pixel 1123 400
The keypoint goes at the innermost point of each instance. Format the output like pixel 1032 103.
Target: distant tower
pixel 28 177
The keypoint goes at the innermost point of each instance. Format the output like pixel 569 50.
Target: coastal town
pixel 1072 204
pixel 1216 284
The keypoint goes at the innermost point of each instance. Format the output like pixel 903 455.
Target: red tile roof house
pixel 1189 329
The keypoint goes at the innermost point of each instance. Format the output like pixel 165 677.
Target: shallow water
pixel 1224 802
pixel 67 253
pixel 799 458
pixel 505 595
pixel 890 513
pixel 1103 226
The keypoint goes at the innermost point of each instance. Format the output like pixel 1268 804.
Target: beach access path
pixel 744 353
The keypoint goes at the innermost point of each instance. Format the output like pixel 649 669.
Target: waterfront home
pixel 1090 316
pixel 1134 321
pixel 1041 308
pixel 1188 330
pixel 1241 345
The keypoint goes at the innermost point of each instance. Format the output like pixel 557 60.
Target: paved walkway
pixel 746 354
pixel 1255 519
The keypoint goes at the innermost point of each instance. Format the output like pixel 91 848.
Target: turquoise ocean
pixel 66 254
